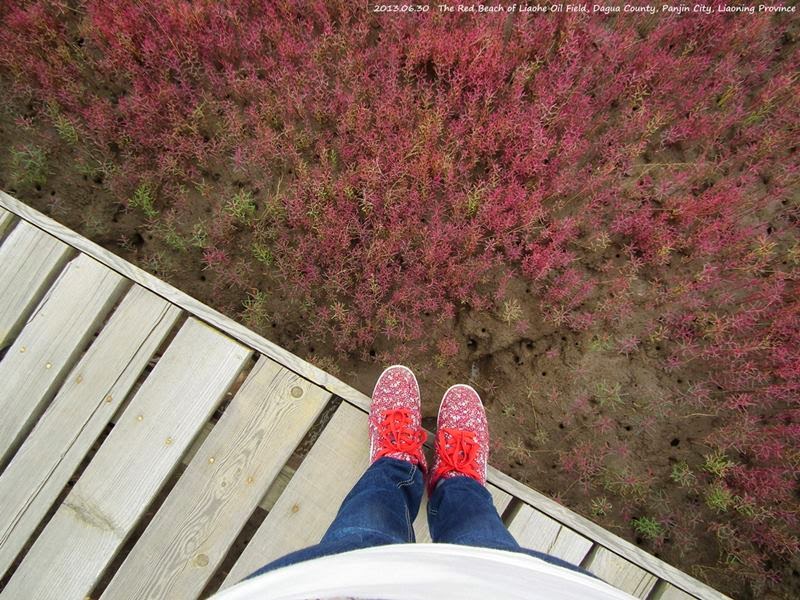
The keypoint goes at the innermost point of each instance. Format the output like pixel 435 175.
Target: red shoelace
pixel 397 434
pixel 458 451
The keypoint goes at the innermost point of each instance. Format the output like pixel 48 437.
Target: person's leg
pixel 381 507
pixel 379 510
pixel 461 511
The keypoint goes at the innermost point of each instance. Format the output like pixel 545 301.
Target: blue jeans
pixel 382 506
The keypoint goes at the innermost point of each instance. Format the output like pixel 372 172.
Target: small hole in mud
pixel 658 347
pixel 274 324
pixel 53 193
pixel 561 426
pixel 639 540
pixel 483 329
pixel 311 349
pixel 617 255
pixel 553 467
pixel 202 277
pixel 372 353
pixel 674 442
pixel 472 344
pixel 529 344
pixel 544 373
pixel 563 338
pixel 628 427
pixel 680 380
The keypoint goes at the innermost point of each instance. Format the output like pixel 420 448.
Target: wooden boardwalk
pixel 148 444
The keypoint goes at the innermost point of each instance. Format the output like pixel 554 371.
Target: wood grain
pixel 97 516
pixel 86 402
pixel 310 502
pixel 619 572
pixel 191 533
pixel 535 530
pixel 30 260
pixel 50 343
pixel 665 591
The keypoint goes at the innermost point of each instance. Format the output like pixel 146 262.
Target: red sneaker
pixel 394 418
pixel 462 437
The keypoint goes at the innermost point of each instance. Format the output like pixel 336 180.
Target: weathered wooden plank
pixel 310 502
pixel 535 530
pixel 619 572
pixel 597 534
pixel 191 305
pixel 574 521
pixel 87 530
pixel 86 402
pixel 421 533
pixel 667 591
pixel 191 533
pixel 6 220
pixel 276 487
pixel 51 342
pixel 30 260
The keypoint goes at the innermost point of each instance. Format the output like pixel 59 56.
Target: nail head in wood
pixel 201 560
